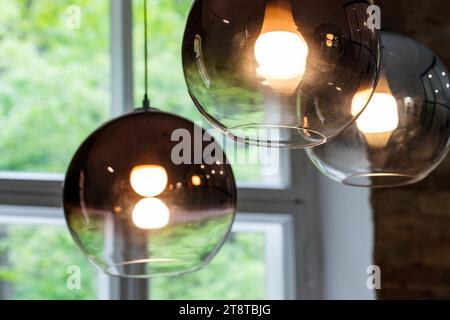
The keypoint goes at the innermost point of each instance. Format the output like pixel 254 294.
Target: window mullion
pixel 121 57
pixel 122 102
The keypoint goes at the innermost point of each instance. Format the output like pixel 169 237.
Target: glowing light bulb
pixel 281 55
pixel 150 213
pixel 280 50
pixel 380 115
pixel 380 118
pixel 148 180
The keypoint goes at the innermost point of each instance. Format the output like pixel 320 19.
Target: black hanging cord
pixel 146 101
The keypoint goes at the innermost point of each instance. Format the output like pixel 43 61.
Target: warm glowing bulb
pixel 150 213
pixel 281 55
pixel 379 119
pixel 380 115
pixel 148 180
pixel 280 50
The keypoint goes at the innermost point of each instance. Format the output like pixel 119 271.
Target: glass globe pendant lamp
pixel 149 194
pixel 280 73
pixel 134 210
pixel 404 132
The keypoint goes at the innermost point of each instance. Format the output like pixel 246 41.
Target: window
pixel 84 72
pixel 37 257
pixel 251 265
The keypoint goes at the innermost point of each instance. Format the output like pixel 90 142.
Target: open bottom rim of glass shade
pixel 300 137
pixel 137 268
pixel 303 137
pixel 379 180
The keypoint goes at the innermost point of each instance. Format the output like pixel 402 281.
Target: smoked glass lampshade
pixel 149 194
pixel 404 132
pixel 280 73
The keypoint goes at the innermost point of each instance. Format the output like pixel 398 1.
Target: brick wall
pixel 412 225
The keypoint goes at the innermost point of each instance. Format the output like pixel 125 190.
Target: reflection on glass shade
pixel 196 180
pixel 137 200
pixel 148 180
pixel 404 132
pixel 150 213
pixel 279 73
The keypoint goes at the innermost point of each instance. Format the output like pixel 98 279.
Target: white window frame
pixel 278 235
pixel 36 198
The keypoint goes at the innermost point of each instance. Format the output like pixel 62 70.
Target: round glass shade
pixel 403 133
pixel 149 194
pixel 280 73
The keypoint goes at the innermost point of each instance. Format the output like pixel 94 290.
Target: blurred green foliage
pixel 38 261
pixel 54 81
pixel 54 91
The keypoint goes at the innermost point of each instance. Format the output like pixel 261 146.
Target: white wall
pixel 347 239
